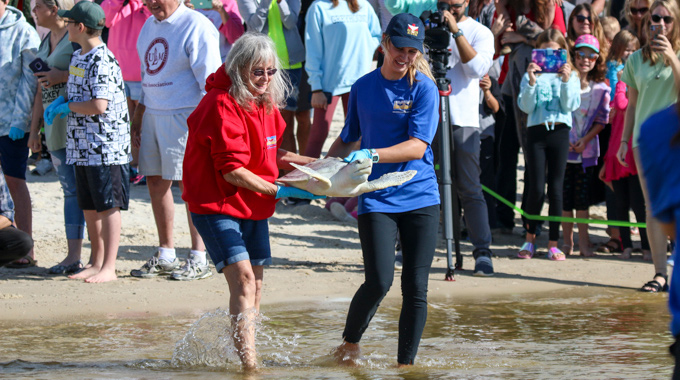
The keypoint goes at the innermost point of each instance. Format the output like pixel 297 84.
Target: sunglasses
pixel 71 22
pixel 460 5
pixel 666 19
pixel 582 18
pixel 584 55
pixel 260 73
pixel 638 11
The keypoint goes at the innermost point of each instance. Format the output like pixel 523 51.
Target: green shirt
pixel 55 134
pixel 655 86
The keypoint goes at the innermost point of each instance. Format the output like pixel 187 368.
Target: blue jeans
pixel 230 240
pixel 74 220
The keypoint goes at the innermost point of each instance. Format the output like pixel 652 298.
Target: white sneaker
pixel 192 270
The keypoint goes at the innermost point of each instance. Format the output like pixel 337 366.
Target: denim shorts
pixel 291 101
pixel 133 90
pixel 230 240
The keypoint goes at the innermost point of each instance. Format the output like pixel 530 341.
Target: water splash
pixel 209 342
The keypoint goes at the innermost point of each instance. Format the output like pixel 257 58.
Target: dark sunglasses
pixel 638 11
pixel 460 5
pixel 260 73
pixel 584 55
pixel 582 18
pixel 666 19
pixel 70 22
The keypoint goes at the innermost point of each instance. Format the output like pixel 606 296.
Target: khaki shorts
pixel 164 139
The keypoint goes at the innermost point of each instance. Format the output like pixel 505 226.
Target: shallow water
pixel 583 333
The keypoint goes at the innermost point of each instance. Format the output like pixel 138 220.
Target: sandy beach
pixel 316 257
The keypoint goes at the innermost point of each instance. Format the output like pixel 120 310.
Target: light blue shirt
pixel 549 101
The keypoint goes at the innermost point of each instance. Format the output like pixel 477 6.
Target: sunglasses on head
pixel 260 73
pixel 666 19
pixel 639 11
pixel 583 55
pixel 582 18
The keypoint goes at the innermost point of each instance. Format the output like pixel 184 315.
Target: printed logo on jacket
pixel 156 56
pixel 271 142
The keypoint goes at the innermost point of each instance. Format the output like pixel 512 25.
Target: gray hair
pixel 250 50
pixel 61 4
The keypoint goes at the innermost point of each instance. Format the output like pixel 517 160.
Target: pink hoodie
pixel 124 23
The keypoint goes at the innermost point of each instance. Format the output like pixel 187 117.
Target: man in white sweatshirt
pixel 472 49
pixel 179 49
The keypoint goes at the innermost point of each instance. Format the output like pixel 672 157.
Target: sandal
pixel 16 264
pixel 655 286
pixel 526 247
pixel 66 269
pixel 555 254
pixel 611 246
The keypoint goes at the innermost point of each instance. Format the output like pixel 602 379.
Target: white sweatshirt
pixel 177 55
pixel 465 76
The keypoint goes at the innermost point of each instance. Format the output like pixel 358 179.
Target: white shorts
pixel 164 139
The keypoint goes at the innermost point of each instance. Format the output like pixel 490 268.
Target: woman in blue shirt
pixel 394 111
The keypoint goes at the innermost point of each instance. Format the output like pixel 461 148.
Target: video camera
pixel 437 38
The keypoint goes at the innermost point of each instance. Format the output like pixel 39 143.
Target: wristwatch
pixel 457 34
pixel 374 156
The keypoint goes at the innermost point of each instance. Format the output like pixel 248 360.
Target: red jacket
pixel 224 137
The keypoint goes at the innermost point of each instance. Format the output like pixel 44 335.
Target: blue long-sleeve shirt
pixel 340 44
pixel 549 101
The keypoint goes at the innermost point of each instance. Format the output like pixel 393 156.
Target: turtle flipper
pixel 388 180
pixel 323 182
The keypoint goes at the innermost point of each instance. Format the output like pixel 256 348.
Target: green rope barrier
pixel 615 223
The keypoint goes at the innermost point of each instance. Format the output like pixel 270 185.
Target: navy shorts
pixel 14 156
pixel 230 240
pixel 102 188
pixel 292 100
pixel 303 103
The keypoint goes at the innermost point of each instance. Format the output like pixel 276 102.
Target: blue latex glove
pixel 59 106
pixel 292 192
pixel 358 155
pixel 16 133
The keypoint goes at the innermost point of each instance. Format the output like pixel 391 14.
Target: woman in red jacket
pixel 231 161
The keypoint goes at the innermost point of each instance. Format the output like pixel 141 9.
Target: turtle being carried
pixel 334 177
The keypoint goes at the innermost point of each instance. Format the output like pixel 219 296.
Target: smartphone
pixel 38 65
pixel 655 30
pixel 549 60
pixel 202 4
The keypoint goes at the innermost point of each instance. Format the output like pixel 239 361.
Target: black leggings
pixel 546 148
pixel 418 230
pixel 628 194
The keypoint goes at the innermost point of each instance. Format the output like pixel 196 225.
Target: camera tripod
pixel 447 189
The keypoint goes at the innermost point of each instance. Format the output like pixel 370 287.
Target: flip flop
pixel 528 247
pixel 17 265
pixel 555 254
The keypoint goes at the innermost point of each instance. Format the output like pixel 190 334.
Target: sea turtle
pixel 334 177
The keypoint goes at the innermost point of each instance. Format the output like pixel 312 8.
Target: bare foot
pixel 85 273
pixel 102 276
pixel 567 248
pixel 587 252
pixel 626 255
pixel 347 354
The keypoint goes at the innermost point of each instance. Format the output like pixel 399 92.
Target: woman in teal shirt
pixel 652 75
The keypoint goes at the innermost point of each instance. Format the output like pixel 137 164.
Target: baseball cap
pixel 86 12
pixel 588 40
pixel 406 30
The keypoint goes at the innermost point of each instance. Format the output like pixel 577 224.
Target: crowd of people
pixel 136 92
